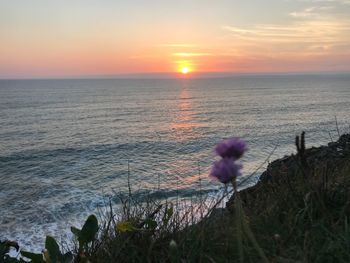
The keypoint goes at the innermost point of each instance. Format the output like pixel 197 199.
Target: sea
pixel 68 147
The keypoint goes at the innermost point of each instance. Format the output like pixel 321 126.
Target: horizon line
pixel 174 75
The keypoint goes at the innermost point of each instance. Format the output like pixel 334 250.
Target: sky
pixel 58 38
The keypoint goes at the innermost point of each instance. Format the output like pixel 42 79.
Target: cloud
pixel 341 2
pixel 186 54
pixel 307 34
pixel 315 12
pixel 177 45
pixel 323 31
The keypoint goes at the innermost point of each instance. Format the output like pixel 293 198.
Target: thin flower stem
pixel 238 223
pixel 254 242
pixel 241 222
pixel 249 232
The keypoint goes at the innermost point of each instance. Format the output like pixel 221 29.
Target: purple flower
pixel 233 148
pixel 225 170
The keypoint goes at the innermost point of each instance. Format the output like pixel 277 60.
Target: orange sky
pixel 89 37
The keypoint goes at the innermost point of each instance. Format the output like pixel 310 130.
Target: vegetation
pixel 298 212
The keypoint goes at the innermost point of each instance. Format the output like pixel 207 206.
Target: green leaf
pixel 125 226
pixel 167 215
pixel 170 212
pixel 89 230
pixel 150 223
pixel 3 250
pixel 66 258
pixel 53 249
pixel 75 231
pixel 36 258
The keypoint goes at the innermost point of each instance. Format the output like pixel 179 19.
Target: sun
pixel 185 70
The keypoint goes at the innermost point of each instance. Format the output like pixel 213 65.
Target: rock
pixel 327 157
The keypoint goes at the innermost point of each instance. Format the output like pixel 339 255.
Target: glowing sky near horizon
pixel 48 38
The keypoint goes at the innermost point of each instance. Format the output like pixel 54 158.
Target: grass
pixel 303 218
pixel 300 214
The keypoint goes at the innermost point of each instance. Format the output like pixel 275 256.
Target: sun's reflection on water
pixel 185 120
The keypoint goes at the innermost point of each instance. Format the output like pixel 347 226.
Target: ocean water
pixel 67 146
